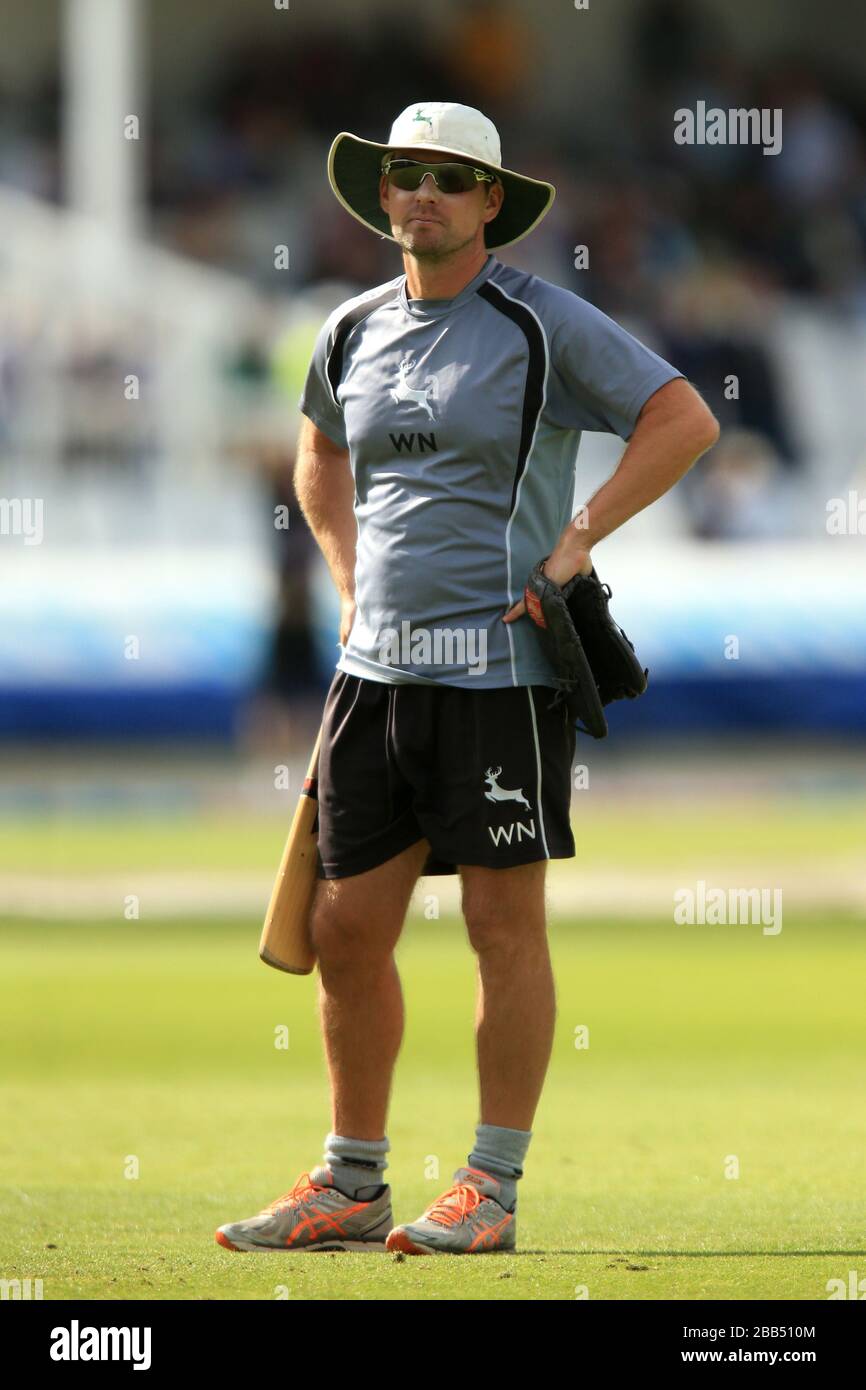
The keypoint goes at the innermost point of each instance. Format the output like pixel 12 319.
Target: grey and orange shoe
pixel 468 1219
pixel 314 1215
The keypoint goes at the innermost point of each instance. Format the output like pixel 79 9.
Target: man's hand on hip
pixel 568 558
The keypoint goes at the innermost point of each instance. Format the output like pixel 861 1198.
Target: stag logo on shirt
pixel 421 397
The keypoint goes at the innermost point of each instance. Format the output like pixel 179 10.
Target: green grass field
pixel 156 1039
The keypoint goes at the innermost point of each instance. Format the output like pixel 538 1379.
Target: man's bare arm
pixel 325 490
pixel 674 428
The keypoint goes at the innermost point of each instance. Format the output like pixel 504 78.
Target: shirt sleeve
pixel 600 375
pixel 319 397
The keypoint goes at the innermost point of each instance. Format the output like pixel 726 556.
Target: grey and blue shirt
pixel 463 418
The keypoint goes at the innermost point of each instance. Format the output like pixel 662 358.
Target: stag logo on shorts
pixel 518 829
pixel 496 793
pixel 403 393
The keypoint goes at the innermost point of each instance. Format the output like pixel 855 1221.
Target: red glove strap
pixel 534 608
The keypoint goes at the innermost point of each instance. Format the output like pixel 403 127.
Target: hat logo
pixel 419 116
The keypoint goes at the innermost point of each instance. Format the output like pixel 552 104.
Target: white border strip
pixel 538 765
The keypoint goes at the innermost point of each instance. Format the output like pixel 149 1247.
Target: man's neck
pixel 428 279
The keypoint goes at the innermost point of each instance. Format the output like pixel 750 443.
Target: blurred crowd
pixel 694 247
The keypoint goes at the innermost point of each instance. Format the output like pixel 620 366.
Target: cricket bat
pixel 285 943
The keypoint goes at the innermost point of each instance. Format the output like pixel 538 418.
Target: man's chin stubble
pixel 417 247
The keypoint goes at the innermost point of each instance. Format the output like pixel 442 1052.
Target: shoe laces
pixel 454 1205
pixel 303 1188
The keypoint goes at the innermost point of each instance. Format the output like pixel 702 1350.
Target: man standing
pixel 435 468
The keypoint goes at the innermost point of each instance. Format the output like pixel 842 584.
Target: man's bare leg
pixel 505 918
pixel 356 923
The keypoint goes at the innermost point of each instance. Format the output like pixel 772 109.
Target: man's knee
pixel 503 908
pixel 339 928
pixel 348 927
pixel 360 918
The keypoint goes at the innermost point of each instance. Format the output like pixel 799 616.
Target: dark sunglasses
pixel 449 178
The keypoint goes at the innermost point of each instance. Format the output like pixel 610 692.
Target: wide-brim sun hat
pixel 355 168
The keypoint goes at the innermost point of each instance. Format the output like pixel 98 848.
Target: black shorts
pixel 484 775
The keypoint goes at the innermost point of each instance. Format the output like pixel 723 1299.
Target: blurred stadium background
pixel 165 649
pixel 170 247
